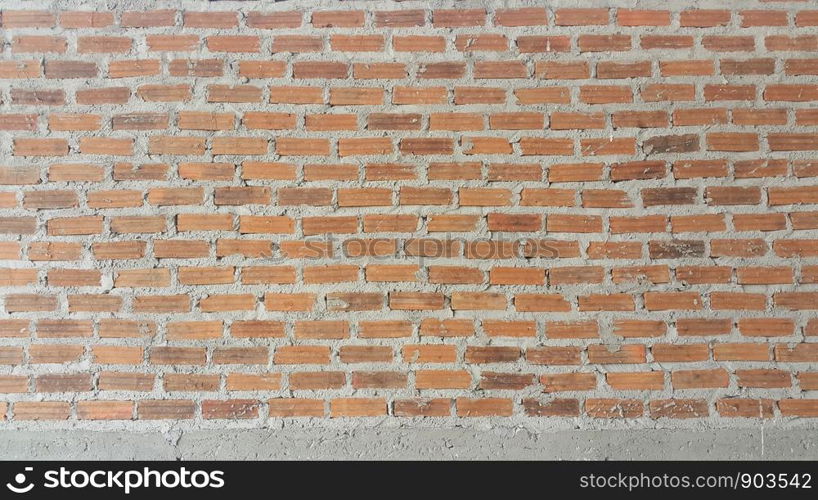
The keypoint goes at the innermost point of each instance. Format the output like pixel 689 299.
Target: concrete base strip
pixel 404 444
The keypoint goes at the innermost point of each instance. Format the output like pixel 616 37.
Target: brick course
pixel 360 209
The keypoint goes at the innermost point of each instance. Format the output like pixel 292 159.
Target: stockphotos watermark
pixel 123 480
pixel 432 246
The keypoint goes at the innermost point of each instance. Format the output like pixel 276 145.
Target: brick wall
pixel 260 210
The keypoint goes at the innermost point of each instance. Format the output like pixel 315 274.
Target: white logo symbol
pixel 20 478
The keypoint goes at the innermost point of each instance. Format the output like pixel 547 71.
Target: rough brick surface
pixel 257 211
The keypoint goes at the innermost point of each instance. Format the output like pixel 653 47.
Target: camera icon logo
pixel 20 480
